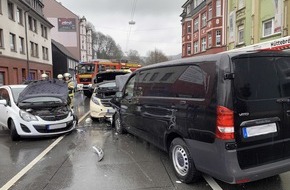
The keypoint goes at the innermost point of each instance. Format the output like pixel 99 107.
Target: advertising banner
pixel 66 24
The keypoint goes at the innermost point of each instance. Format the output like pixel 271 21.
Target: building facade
pixel 203 27
pixel 69 30
pixel 85 40
pixel 25 41
pixel 252 22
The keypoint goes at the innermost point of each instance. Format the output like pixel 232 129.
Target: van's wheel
pixel 13 132
pixel 117 123
pixel 182 162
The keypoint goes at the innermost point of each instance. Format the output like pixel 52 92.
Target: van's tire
pixel 13 132
pixel 182 162
pixel 117 123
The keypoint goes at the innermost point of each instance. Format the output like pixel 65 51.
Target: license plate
pixel 57 126
pixel 259 130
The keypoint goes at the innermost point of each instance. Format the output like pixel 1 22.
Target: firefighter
pixel 70 84
pixel 60 77
pixel 44 76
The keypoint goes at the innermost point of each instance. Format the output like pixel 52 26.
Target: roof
pixel 63 49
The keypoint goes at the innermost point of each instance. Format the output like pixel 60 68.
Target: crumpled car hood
pixel 45 88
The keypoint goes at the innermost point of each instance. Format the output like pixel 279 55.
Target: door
pixel 262 110
pixel 128 107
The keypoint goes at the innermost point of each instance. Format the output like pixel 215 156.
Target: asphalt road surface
pixel 70 162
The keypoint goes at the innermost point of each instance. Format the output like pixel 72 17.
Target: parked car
pixel 100 106
pixel 37 109
pixel 226 114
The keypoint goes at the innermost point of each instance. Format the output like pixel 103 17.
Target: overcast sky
pixel 157 22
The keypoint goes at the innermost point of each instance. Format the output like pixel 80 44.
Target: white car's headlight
pixel 95 100
pixel 27 116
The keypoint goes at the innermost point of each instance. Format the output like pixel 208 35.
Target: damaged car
pixel 38 109
pixel 100 105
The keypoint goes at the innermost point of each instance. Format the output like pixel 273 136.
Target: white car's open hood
pixel 45 88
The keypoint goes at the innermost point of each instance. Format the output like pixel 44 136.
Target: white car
pixel 37 109
pixel 100 106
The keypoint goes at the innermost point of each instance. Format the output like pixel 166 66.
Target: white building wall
pixel 9 26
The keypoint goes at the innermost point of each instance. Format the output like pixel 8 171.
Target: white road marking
pixel 84 116
pixel 212 183
pixel 12 181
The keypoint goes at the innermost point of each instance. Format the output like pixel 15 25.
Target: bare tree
pixel 133 56
pixel 105 46
pixel 155 56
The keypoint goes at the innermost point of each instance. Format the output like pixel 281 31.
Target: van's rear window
pixel 262 77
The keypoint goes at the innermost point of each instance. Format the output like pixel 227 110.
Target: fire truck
pixel 86 72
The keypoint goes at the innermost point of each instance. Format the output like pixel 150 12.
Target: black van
pixel 227 115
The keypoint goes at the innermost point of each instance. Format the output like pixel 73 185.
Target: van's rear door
pixel 262 108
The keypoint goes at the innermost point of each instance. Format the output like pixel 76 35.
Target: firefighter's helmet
pixel 60 77
pixel 44 76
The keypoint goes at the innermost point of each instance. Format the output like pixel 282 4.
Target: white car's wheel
pixel 13 132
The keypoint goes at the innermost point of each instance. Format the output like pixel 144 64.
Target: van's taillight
pixel 225 123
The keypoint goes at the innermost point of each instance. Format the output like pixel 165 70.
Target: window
pixel 129 89
pixel 32 24
pixel 240 34
pixel 44 53
pixel 203 44
pixel 218 38
pixel 218 8
pixel 241 4
pixel 33 49
pixel 196 47
pixel 197 3
pixel 154 76
pixel 209 39
pixel 19 16
pixel 188 27
pixel 10 10
pixel 203 19
pixel 268 28
pixel 12 42
pixel 166 76
pixel 0 6
pixel 21 45
pixel 1 38
pixel 43 31
pixel 188 49
pixel 196 24
pixel 188 9
pixel 209 11
pixel 2 82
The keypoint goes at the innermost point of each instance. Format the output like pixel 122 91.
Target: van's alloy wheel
pixel 117 124
pixel 182 162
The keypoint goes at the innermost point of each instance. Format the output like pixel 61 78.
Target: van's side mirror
pixel 3 102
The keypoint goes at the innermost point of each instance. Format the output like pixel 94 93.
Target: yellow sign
pixel 85 76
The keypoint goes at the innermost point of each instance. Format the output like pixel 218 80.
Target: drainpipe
pixel 26 41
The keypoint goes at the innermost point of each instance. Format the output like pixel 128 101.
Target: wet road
pixel 128 163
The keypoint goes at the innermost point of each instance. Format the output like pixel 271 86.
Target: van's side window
pixel 186 81
pixel 129 89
